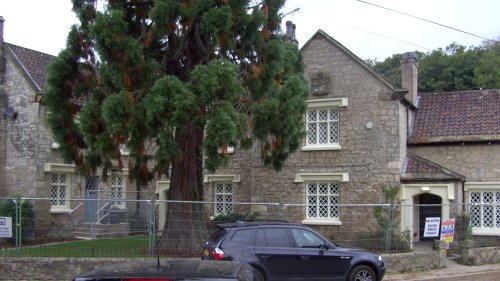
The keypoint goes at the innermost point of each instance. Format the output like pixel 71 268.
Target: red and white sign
pixel 448 230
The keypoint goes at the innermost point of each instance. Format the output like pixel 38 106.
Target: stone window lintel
pixel 59 168
pixel 221 178
pixel 328 177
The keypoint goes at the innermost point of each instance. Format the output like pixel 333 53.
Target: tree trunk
pixel 183 228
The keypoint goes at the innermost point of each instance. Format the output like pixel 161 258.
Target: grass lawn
pixel 133 246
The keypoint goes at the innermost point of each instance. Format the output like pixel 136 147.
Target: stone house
pixel 363 135
pixel 453 157
pixel 29 163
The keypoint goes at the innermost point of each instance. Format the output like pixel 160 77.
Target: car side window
pixel 242 236
pixel 272 237
pixel 307 239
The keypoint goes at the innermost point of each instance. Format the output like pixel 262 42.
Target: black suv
pixel 289 251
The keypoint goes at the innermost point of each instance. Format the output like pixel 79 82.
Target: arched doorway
pixel 410 197
pixel 430 208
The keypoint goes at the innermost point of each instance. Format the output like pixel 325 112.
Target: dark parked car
pixel 289 251
pixel 172 270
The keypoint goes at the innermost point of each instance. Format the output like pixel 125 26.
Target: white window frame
pixel 223 195
pixel 322 105
pixel 482 188
pixel 61 169
pixel 222 179
pixel 321 178
pixel 59 202
pixel 118 192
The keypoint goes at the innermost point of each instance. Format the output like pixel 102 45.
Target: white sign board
pixel 432 226
pixel 5 227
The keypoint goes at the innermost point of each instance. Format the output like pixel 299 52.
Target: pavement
pixel 450 269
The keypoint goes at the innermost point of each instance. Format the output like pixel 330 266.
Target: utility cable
pixel 364 30
pixel 429 21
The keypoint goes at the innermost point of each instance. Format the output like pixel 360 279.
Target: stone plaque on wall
pixel 320 84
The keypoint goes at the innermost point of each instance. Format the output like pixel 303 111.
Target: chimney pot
pixel 290 31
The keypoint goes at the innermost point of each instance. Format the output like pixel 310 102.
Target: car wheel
pixel 258 275
pixel 362 273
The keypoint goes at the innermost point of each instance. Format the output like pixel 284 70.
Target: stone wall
pixel 3 135
pixel 50 268
pixel 478 256
pixel 68 268
pixel 477 162
pixel 411 262
pixel 20 145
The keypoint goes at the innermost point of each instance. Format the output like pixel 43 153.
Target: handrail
pixel 99 211
pixel 102 208
pixel 103 217
pixel 74 209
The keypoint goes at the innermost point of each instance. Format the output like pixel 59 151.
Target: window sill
pixel 321 222
pixel 60 210
pixel 321 147
pixel 486 231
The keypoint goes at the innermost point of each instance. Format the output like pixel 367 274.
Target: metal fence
pixel 107 227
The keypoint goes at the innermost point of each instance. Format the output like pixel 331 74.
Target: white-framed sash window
pixel 223 198
pixel 322 197
pixel 117 194
pixel 484 208
pixel 323 124
pixel 59 190
pixel 60 176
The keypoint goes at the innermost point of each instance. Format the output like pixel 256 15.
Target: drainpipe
pixel 463 195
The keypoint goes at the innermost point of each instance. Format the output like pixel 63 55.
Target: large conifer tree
pixel 176 81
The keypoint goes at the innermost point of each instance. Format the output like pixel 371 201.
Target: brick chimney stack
pixel 290 31
pixel 409 76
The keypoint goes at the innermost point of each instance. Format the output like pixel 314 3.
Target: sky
pixel 368 31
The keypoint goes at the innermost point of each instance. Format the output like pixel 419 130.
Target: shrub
pixel 251 216
pixel 8 209
pixel 463 228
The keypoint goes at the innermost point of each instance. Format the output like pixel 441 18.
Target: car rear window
pixel 217 235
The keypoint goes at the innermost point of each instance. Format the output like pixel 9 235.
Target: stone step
pixel 85 230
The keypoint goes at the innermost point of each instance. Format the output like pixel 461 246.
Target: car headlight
pixel 380 258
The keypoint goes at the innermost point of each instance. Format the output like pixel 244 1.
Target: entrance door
pixel 428 211
pixel 91 196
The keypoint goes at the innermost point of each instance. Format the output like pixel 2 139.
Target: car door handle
pixel 305 258
pixel 264 257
